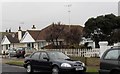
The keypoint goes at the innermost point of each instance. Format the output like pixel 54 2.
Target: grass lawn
pixel 17 63
pixel 92 69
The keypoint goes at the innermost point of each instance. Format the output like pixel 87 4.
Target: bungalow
pixel 32 38
pixel 11 39
pixel 37 38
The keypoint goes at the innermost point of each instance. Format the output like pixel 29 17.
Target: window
pixel 112 55
pixel 36 55
pixel 8 46
pixel 43 55
pixel 30 45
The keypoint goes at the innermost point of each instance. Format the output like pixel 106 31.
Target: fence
pixel 79 52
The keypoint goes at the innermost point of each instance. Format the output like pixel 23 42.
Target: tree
pixel 115 36
pixel 70 35
pixel 73 36
pixel 101 27
pixel 54 33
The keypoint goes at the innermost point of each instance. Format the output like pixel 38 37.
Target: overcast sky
pixel 41 14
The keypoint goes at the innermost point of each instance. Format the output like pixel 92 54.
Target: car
pixel 12 52
pixel 29 50
pixel 110 61
pixel 20 52
pixel 52 62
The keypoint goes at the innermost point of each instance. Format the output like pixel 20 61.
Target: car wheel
pixel 29 69
pixel 18 57
pixel 115 72
pixel 55 70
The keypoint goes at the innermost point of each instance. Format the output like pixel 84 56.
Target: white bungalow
pixel 11 40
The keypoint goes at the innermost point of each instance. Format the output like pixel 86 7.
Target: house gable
pixel 5 41
pixel 27 38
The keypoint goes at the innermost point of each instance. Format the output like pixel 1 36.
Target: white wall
pixel 103 47
pixel 16 45
pixel 27 38
pixel 5 41
pixel 36 46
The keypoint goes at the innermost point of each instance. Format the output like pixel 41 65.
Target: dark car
pixel 53 62
pixel 20 52
pixel 110 61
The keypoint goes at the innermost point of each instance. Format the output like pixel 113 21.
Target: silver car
pixel 12 52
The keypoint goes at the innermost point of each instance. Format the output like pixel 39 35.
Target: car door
pixel 35 58
pixel 110 60
pixel 45 64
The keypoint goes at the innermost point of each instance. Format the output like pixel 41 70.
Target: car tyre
pixel 55 70
pixel 29 69
pixel 115 72
pixel 18 57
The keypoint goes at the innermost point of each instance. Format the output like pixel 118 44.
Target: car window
pixel 36 55
pixel 58 55
pixel 43 55
pixel 112 55
pixel 21 49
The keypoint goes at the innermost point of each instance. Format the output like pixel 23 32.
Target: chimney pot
pixel 33 27
pixel 9 30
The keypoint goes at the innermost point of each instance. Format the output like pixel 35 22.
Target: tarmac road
pixel 9 69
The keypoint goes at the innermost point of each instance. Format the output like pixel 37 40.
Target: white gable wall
pixel 27 38
pixel 5 41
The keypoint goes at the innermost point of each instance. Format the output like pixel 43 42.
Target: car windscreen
pixel 21 49
pixel 57 55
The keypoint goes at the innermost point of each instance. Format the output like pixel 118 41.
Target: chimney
pixel 10 30
pixel 19 33
pixel 33 27
pixel 6 30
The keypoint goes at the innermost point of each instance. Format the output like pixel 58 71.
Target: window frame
pixel 110 51
pixel 35 58
pixel 46 54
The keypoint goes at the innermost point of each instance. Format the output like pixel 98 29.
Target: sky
pixel 42 14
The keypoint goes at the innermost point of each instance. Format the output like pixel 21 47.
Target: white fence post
pixel 103 47
pixel 78 52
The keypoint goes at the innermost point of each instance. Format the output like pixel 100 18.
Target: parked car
pixel 12 52
pixel 110 61
pixel 53 62
pixel 20 52
pixel 29 51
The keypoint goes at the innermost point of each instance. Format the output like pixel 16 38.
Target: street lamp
pixel 69 12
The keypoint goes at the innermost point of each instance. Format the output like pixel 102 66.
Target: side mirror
pixel 46 58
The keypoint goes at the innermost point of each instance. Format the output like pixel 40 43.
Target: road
pixel 9 69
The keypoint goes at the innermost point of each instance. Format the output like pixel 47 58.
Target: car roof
pixel 116 47
pixel 46 51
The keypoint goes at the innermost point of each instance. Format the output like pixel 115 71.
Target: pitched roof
pixel 34 33
pixel 43 33
pixel 23 32
pixel 13 38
